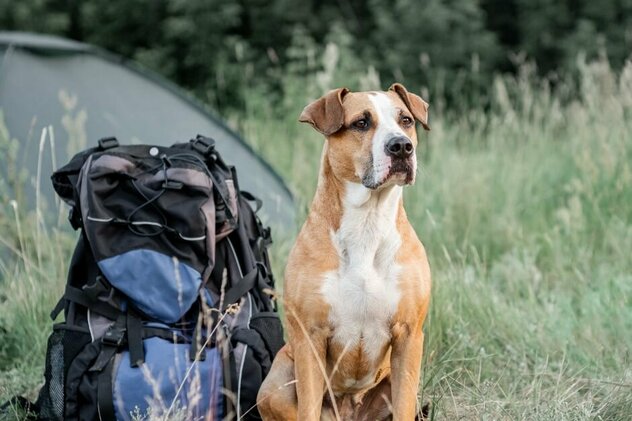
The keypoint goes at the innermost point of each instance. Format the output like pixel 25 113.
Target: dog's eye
pixel 406 121
pixel 361 124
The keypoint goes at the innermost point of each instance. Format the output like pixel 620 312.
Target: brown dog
pixel 357 282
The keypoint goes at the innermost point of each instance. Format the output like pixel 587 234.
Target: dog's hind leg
pixel 277 400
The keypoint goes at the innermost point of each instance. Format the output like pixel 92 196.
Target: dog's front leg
pixel 309 345
pixel 310 384
pixel 405 369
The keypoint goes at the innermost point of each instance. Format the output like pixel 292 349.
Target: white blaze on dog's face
pixel 371 136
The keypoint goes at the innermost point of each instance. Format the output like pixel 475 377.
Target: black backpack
pixel 168 305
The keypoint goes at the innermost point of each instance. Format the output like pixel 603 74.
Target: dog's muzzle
pixel 398 168
pixel 401 151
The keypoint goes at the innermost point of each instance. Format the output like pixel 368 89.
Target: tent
pixel 86 93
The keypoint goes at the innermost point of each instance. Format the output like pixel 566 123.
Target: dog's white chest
pixel 363 293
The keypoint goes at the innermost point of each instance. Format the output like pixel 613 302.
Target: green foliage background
pixel 451 48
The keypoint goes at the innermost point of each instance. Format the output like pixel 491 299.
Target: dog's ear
pixel 415 104
pixel 326 113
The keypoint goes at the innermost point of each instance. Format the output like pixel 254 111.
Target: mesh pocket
pixel 269 327
pixel 64 343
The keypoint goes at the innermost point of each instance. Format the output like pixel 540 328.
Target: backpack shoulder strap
pixel 248 266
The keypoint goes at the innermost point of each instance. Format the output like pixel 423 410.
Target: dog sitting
pixel 357 282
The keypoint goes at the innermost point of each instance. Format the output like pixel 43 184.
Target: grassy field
pixel 525 210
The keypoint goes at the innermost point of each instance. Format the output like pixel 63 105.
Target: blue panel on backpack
pixel 152 282
pixel 164 370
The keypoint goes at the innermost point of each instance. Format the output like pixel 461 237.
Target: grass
pixel 525 210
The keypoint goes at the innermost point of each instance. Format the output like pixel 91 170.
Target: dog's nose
pixel 399 147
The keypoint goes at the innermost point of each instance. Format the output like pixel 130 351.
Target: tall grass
pixel 525 210
pixel 33 266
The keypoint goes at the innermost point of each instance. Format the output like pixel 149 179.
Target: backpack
pixel 168 304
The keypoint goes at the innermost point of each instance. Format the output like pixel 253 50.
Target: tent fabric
pixel 86 93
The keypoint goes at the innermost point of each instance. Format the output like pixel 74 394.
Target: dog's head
pixel 371 135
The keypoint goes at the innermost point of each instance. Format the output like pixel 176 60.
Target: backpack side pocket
pixel 64 344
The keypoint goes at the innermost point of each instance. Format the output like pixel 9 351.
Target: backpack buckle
pixel 106 143
pixel 74 217
pixel 266 234
pixel 96 290
pixel 111 340
pixel 203 145
pixel 113 337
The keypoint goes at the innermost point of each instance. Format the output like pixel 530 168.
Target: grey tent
pixel 85 94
